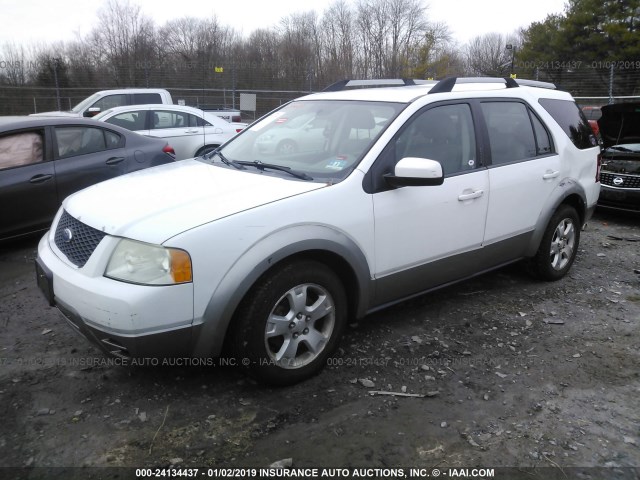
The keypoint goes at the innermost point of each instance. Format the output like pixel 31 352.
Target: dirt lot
pixel 510 372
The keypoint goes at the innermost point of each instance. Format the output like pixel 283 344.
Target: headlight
pixel 146 264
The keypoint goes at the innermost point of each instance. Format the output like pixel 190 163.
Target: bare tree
pixel 408 25
pixel 15 65
pixel 488 54
pixel 191 48
pixel 300 45
pixel 338 41
pixel 124 41
pixel 434 55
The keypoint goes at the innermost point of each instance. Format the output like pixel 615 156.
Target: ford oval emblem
pixel 67 235
pixel 617 181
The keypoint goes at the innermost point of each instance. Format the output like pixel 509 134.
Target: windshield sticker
pixel 336 165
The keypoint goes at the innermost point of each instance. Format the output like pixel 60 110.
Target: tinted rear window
pixel 571 120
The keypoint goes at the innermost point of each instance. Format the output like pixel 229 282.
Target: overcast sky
pixel 32 21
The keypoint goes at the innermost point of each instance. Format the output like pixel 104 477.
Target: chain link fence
pixel 593 84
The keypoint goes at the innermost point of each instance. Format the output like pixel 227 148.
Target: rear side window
pixel 142 98
pixel 510 132
pixel 572 121
pixel 543 141
pixel 113 140
pixel 72 141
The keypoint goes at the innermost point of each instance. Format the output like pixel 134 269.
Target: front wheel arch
pixel 205 149
pixel 289 323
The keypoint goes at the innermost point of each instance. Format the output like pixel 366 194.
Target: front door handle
pixel 549 175
pixel 40 178
pixel 115 160
pixel 470 196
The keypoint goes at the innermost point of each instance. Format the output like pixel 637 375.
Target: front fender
pixel 261 257
pixel 567 191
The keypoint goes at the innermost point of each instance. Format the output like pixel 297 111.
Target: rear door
pixel 28 198
pixel 524 169
pixel 85 156
pixel 180 131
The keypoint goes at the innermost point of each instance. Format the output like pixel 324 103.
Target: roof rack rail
pixel 380 82
pixel 447 84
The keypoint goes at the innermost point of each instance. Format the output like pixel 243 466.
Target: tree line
pixel 307 51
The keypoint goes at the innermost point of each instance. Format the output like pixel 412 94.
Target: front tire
pixel 290 323
pixel 559 245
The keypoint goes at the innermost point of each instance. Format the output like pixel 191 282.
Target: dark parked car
pixel 45 159
pixel 620 173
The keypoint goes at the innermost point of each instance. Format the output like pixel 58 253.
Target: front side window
pixel 18 149
pixel 325 139
pixel 110 101
pixel 443 133
pixel 72 141
pixel 130 120
pixel 511 136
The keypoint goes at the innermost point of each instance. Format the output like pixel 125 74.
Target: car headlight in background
pixel 147 264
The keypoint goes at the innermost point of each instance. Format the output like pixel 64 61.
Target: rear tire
pixel 559 245
pixel 290 322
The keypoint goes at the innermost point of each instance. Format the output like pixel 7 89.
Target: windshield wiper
pixel 225 160
pixel 262 166
pixel 621 149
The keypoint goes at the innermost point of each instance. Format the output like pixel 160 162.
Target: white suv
pixel 270 251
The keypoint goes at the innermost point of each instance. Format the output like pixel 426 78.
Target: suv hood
pixel 620 124
pixel 156 204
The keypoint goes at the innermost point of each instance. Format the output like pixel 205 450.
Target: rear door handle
pixel 549 175
pixel 40 178
pixel 191 131
pixel 470 196
pixel 114 160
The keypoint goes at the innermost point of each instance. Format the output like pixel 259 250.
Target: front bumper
pixel 626 199
pixel 124 320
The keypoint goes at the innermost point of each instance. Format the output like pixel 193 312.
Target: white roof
pixel 407 94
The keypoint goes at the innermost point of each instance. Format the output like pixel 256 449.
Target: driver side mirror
pixel 91 112
pixel 416 172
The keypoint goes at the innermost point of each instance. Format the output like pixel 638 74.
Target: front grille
pixel 76 240
pixel 628 181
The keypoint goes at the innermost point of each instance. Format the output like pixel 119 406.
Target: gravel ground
pixel 499 371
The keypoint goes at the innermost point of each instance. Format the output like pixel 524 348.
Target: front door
pixel 418 230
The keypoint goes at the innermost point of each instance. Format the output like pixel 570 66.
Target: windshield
pixel 86 103
pixel 323 139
